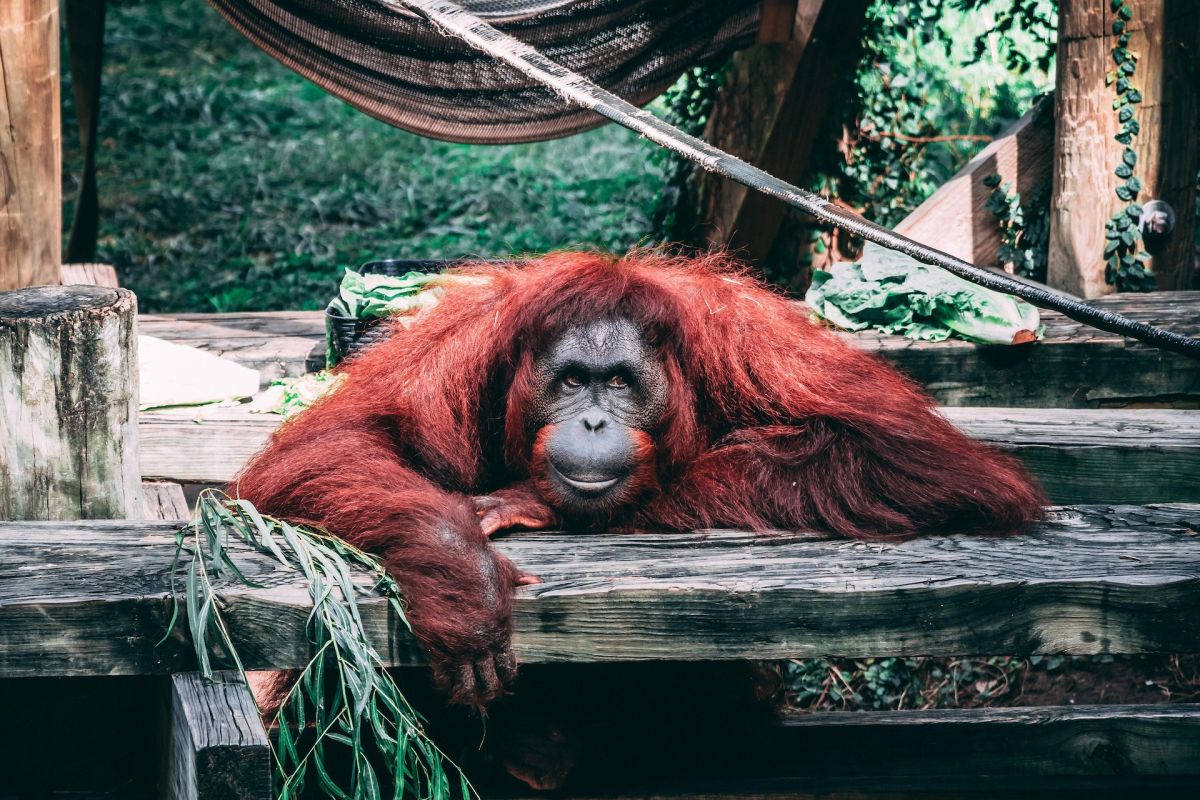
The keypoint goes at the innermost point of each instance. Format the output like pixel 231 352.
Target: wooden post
pixel 1165 35
pixel 68 404
pixel 218 747
pixel 769 112
pixel 30 144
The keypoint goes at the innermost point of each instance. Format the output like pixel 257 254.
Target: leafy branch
pixel 344 698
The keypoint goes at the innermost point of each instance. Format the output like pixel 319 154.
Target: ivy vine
pixel 1125 261
pixel 1024 227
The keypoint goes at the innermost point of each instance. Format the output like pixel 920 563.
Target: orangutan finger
pixel 487 682
pixel 464 692
pixel 506 665
pixel 527 580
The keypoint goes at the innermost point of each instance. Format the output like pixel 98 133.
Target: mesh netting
pixel 397 67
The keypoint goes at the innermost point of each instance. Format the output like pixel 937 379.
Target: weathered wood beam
pixel 769 111
pixel 955 218
pixel 1073 367
pixel 164 500
pixel 30 144
pixel 90 598
pixel 218 748
pixel 1080 455
pixel 1165 34
pixel 90 275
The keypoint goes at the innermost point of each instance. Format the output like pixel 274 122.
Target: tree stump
pixel 68 404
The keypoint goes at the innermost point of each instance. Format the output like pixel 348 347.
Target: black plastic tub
pixel 349 335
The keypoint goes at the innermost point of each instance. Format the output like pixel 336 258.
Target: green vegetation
pixel 229 183
pixel 344 699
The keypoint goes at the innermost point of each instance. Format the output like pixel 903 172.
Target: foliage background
pixel 229 183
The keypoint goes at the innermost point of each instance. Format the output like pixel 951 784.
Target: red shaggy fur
pixel 772 423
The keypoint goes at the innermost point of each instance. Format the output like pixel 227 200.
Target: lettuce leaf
pixel 895 293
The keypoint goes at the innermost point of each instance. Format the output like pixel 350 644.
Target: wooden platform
pixel 1074 367
pixel 91 598
pixel 1080 455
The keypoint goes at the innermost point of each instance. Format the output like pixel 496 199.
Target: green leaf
pixel 1134 96
pixel 1123 171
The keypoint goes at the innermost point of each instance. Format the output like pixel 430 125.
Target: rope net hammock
pixel 491 71
pixel 389 62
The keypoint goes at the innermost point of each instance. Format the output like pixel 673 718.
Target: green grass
pixel 229 183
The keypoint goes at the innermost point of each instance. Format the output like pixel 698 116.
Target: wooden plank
pixel 1080 455
pixel 31 145
pixel 218 747
pixel 955 217
pixel 164 500
pixel 90 274
pixel 1107 748
pixel 776 21
pixel 1097 455
pixel 1073 367
pixel 92 597
pixel 277 343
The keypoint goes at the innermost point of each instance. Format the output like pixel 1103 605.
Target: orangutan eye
pixel 573 380
pixel 617 382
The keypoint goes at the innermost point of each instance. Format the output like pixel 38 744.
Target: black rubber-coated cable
pixel 456 21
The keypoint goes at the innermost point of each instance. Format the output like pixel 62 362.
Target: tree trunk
pixel 30 144
pixel 1165 35
pixel 68 404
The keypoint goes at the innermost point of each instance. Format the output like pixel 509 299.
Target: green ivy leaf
pixel 1125 12
pixel 1123 171
pixel 1124 137
pixel 1125 114
pixel 1129 157
pixel 1134 185
pixel 1134 96
pixel 1124 193
pixel 1118 26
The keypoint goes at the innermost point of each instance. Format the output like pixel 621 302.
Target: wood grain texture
pixel 68 404
pixel 90 274
pixel 1165 34
pixel 30 144
pixel 1080 455
pixel 89 598
pixel 164 500
pixel 277 343
pixel 1073 367
pixel 218 747
pixel 955 217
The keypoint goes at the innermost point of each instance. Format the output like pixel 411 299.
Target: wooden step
pixel 1080 455
pixel 92 598
pixel 1073 751
pixel 1073 367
